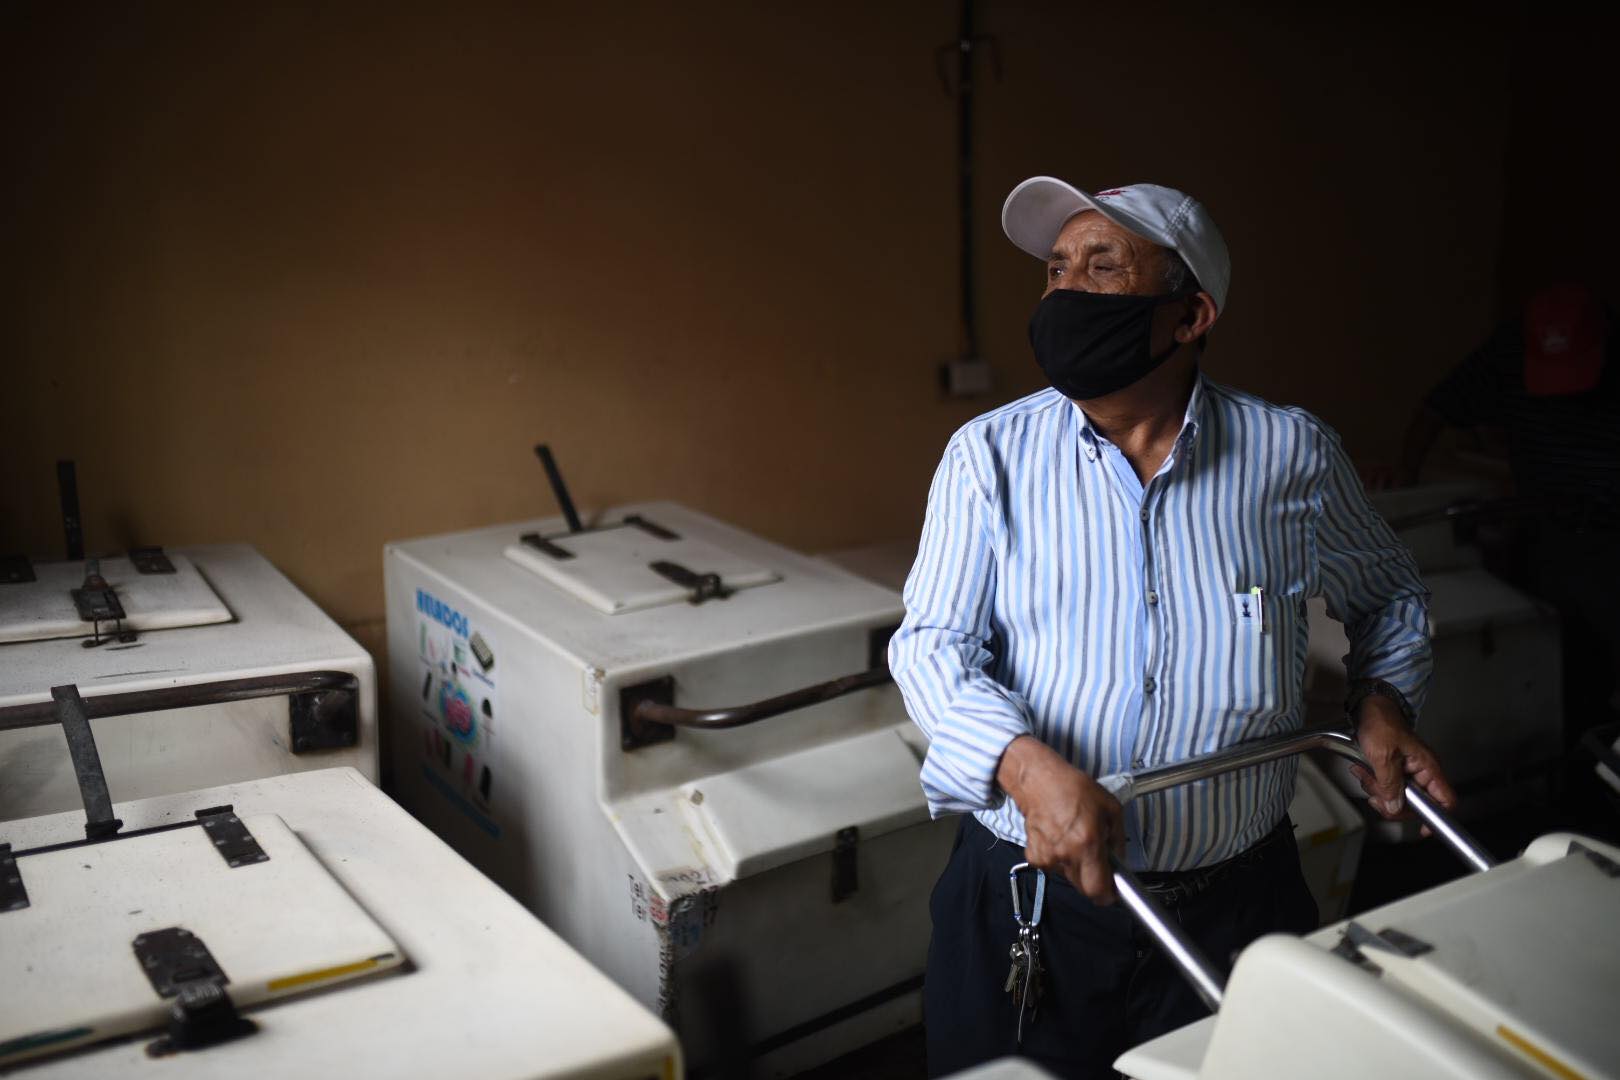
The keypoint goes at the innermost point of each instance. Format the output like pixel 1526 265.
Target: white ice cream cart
pixel 677 744
pixel 140 632
pixel 299 925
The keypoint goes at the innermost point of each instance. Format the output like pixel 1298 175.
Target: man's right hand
pixel 1070 823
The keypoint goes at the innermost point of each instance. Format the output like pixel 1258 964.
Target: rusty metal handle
pixel 37 714
pixel 652 712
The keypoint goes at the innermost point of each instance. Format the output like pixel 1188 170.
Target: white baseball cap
pixel 1034 214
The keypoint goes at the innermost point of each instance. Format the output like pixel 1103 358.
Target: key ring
pixel 1034 919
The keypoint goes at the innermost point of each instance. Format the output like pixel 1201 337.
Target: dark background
pixel 317 276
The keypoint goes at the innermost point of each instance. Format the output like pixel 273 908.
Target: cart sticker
pixel 287 982
pixel 679 925
pixel 1537 1054
pixel 460 708
pixel 692 907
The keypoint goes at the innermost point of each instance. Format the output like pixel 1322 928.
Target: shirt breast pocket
pixel 1262 664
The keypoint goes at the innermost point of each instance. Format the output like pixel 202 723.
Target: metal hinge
pixel 544 546
pixel 651 528
pixel 230 837
pixel 150 560
pixel 1389 940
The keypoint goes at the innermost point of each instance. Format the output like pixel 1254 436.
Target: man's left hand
pixel 1398 757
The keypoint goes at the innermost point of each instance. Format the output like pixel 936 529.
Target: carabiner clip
pixel 1034 919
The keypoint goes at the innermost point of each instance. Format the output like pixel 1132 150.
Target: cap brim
pixel 1036 210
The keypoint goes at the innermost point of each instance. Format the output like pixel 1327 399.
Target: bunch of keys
pixel 1024 980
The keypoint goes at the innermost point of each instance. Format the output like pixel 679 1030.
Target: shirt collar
pixel 1189 422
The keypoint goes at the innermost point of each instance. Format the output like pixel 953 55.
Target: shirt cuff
pixel 959 772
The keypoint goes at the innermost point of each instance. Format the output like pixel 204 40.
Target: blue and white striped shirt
pixel 1056 595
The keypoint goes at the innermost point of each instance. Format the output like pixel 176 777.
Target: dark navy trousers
pixel 1108 986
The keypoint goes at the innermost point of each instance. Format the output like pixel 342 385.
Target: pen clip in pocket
pixel 1249 610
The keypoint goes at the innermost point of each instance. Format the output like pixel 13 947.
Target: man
pixel 1549 379
pixel 1113 575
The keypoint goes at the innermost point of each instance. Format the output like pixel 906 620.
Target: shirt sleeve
pixel 940 654
pixel 1371 584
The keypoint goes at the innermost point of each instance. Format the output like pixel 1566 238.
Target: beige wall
pixel 318 276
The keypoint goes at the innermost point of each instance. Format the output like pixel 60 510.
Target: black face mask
pixel 1092 344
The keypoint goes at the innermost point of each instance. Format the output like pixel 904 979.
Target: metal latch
pixel 98 603
pixel 95 599
pixel 150 560
pixel 179 966
pixel 230 837
pixel 845 880
pixel 703 586
pixel 13 895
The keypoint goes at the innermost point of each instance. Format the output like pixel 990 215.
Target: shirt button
pixel 1138 763
pixel 1149 685
pixel 1152 597
pixel 1144 513
pixel 1091 453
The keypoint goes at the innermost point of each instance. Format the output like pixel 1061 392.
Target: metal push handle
pixel 1195 966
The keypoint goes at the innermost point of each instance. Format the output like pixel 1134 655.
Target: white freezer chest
pixel 763 887
pixel 384 952
pixel 1510 973
pixel 276 685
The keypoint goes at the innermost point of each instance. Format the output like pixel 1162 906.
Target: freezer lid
pixel 636 565
pixel 71 971
pixel 773 812
pixel 1529 959
pixel 157 599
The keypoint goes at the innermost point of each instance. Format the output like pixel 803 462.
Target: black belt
pixel 1175 886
